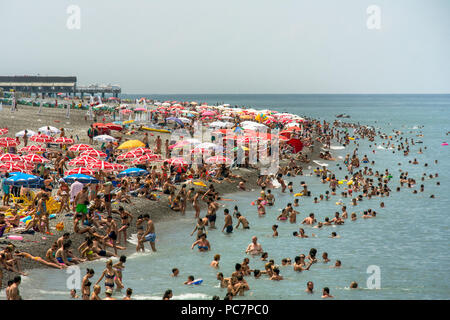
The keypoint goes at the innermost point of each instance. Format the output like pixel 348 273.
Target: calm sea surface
pixel 408 240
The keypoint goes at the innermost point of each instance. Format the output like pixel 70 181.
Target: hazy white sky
pixel 233 46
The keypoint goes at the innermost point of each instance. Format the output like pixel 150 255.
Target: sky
pixel 232 46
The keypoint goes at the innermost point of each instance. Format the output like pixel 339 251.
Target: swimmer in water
pixel 326 293
pixel 275 230
pixel 215 262
pixel 202 243
pixel 242 220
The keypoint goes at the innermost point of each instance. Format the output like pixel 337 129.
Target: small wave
pixel 62 293
pixel 185 296
pixel 337 147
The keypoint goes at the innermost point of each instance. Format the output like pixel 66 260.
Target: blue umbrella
pixel 23 179
pixel 83 178
pixel 132 172
pixel 176 120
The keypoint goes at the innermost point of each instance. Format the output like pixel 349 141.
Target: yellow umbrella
pixel 131 144
pixel 128 121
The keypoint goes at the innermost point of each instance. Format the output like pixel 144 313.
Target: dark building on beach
pixel 39 84
pixel 52 85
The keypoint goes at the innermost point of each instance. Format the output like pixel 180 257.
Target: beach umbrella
pixel 24 165
pixel 140 151
pixel 128 155
pixel 10 167
pixel 8 142
pixel 101 165
pixel 114 126
pixel 219 160
pixel 177 162
pixel 35 158
pixel 32 149
pixel 3 131
pixel 80 170
pixel 104 138
pixel 49 130
pixel 176 120
pixel 132 172
pixel 9 157
pixel 131 144
pixel 146 158
pixel 82 161
pixel 22 179
pixel 119 167
pixel 93 153
pixel 42 138
pixel 30 133
pixel 80 147
pixel 64 140
pixel 83 178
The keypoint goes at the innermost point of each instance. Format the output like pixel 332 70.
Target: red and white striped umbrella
pixel 64 140
pixel 35 158
pixel 80 147
pixel 147 158
pixel 32 149
pixel 9 157
pixel 247 139
pixel 3 131
pixel 177 162
pixel 80 170
pixel 141 151
pixel 8 142
pixel 24 165
pixel 219 160
pixel 101 165
pixel 94 153
pixel 11 167
pixel 41 138
pixel 82 161
pixel 119 167
pixel 128 155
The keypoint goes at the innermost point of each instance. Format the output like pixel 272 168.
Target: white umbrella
pixel 104 138
pixel 217 124
pixel 49 130
pixel 185 120
pixel 30 133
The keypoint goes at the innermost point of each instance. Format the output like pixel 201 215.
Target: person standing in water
pixel 149 234
pixel 228 222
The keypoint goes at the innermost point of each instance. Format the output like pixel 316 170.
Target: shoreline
pixel 158 210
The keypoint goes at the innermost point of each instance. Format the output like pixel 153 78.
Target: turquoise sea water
pixel 408 240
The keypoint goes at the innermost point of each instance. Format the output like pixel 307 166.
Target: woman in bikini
pixel 203 244
pixel 119 266
pixel 111 276
pixel 200 227
pixel 86 284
